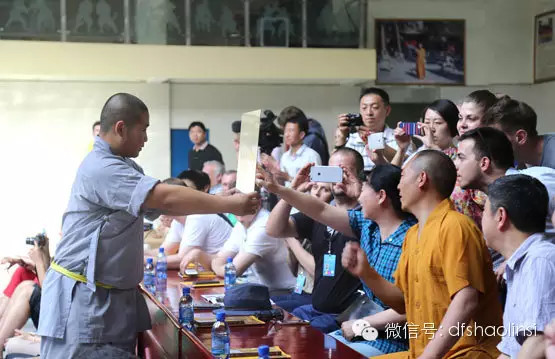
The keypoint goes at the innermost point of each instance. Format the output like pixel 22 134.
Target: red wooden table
pixel 167 340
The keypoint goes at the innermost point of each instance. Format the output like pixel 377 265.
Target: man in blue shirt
pixel 380 224
pixel 90 295
pixel 514 227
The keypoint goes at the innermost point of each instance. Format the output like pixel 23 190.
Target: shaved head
pixel 439 168
pixel 121 107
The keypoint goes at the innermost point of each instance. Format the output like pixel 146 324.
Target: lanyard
pixel 331 238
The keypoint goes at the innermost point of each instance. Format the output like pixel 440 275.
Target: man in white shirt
pixel 215 170
pixel 374 109
pixel 249 245
pixel 195 238
pixel 299 154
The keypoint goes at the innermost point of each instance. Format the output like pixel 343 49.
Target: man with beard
pixel 335 289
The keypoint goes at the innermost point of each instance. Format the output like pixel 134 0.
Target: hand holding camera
pixel 39 253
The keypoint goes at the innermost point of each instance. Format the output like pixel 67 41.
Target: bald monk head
pixel 123 123
pixel 430 174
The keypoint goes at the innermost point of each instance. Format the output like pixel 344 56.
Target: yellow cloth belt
pixel 76 276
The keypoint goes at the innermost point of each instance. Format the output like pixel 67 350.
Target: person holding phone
pixel 438 130
pixel 379 224
pixel 374 107
pixel 334 288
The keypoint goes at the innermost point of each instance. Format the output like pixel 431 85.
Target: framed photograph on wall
pixel 420 52
pixel 544 47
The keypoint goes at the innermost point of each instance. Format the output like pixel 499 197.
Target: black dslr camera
pixel 355 120
pixel 40 238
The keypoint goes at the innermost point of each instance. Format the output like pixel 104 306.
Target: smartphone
pixel 376 142
pixel 326 174
pixel 411 128
pixel 191 272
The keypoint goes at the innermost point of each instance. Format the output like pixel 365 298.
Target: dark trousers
pixel 291 301
pixel 323 321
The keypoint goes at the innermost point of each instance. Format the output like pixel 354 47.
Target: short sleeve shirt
pixel 293 162
pixel 449 256
pixel 207 231
pixel 270 267
pixel 102 239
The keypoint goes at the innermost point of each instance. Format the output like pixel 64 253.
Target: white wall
pixel 219 105
pixel 46 129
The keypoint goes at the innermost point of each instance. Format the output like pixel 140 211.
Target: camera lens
pixel 319 174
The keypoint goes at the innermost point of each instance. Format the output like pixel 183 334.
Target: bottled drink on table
pixel 149 279
pixel 230 275
pixel 186 310
pixel 161 275
pixel 220 337
pixel 263 352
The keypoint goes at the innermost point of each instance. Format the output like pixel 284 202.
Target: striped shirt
pixel 530 274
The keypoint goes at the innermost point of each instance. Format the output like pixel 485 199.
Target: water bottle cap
pixel 229 260
pixel 220 316
pixel 149 260
pixel 263 350
pixel 161 250
pixel 186 290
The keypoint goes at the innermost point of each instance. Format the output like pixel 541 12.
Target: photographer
pixel 25 301
pixel 374 109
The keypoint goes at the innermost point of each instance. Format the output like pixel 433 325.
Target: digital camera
pixel 355 120
pixel 40 238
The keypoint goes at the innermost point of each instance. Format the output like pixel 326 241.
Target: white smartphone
pixel 375 141
pixel 326 174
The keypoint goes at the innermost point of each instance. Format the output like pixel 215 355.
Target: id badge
pixel 329 265
pixel 300 283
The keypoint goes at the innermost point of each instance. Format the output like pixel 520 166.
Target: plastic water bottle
pixel 149 279
pixel 263 352
pixel 186 310
pixel 220 337
pixel 161 275
pixel 230 274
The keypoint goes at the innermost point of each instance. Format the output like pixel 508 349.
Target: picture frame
pixel 421 52
pixel 544 47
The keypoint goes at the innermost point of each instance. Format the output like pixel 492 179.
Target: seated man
pixel 25 300
pixel 380 225
pixel 229 180
pixel 196 238
pixel 444 280
pixel 175 223
pixel 301 254
pixel 333 293
pixel 249 245
pixel 215 170
pixel 514 227
pixel 484 155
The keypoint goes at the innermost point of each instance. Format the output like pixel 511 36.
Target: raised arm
pixel 279 224
pixel 183 200
pixel 313 207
